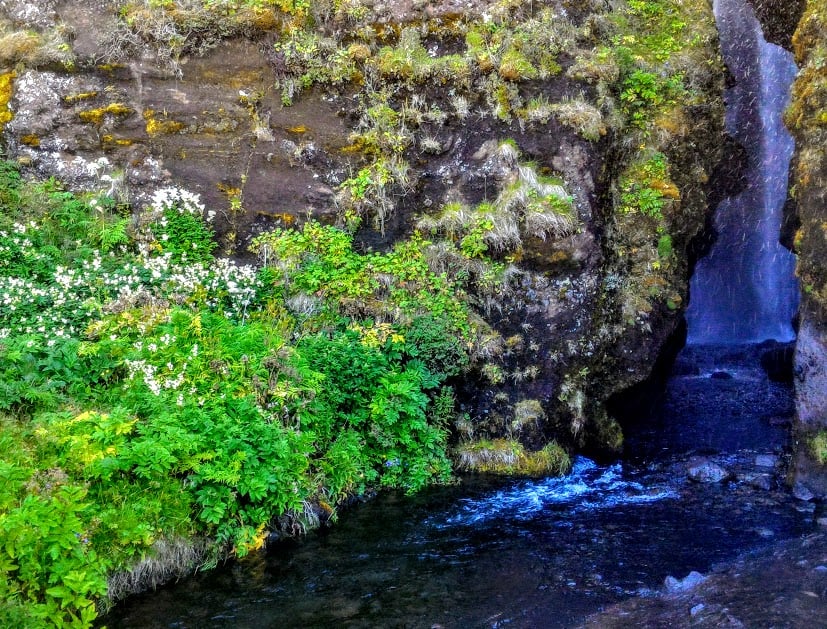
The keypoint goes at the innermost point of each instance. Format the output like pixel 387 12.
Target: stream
pixel 525 553
pixel 491 552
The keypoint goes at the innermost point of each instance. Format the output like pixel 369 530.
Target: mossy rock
pixel 507 456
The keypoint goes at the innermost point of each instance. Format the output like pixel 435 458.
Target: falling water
pixel 745 290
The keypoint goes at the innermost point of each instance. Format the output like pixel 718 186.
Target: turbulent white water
pixel 745 290
pixel 589 487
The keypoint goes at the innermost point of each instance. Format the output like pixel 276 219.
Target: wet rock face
pixel 216 129
pixel 779 19
pixel 805 117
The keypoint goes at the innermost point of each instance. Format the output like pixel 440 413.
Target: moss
pixel 71 99
pixel 6 91
pixel 515 66
pixel 96 116
pixel 238 80
pixel 164 126
pixel 30 140
pixel 110 141
pixel 507 456
pixel 818 447
pixel 109 68
pixel 359 52
pixel 806 117
pixel 285 219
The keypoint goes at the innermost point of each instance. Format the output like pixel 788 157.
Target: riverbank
pixel 782 586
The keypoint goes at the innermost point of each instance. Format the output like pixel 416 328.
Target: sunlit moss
pixel 6 91
pixel 164 126
pixel 30 140
pixel 507 456
pixel 818 447
pixel 96 116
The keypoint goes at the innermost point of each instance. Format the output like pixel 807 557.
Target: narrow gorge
pixel 475 313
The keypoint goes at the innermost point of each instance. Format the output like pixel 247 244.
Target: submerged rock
pixel 766 460
pixel 760 481
pixel 705 471
pixel 802 492
pixel 689 582
pixel 721 375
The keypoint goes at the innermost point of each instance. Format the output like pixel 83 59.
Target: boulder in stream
pixel 705 471
pixel 679 586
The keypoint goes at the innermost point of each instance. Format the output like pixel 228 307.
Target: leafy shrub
pixel 179 227
pixel 646 187
pixel 157 393
pixel 434 342
pixel 644 93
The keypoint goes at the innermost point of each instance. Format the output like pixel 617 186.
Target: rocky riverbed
pixel 781 586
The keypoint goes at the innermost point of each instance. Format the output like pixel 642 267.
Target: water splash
pixel 589 487
pixel 745 290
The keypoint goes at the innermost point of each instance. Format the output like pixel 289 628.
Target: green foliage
pixel 184 235
pixel 646 188
pixel 368 182
pixel 642 199
pixel 320 261
pixel 818 447
pixel 473 244
pixel 665 247
pixel 433 341
pixel 312 59
pixel 409 61
pixel 646 8
pixel 9 185
pixel 644 93
pixel 131 421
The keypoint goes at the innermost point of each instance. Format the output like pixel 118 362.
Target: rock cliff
pixel 807 120
pixel 566 148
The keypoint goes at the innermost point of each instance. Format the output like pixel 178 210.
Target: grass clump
pixel 581 116
pixel 818 447
pixel 507 456
pixel 32 48
pixel 528 205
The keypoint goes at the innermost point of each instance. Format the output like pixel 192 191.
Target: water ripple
pixel 588 487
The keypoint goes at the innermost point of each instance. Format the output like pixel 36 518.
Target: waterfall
pixel 745 290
